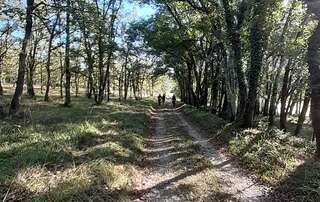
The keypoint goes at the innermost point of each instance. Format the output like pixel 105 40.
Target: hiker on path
pixel 164 99
pixel 173 101
pixel 159 100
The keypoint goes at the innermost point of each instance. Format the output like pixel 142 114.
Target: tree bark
pixel 1 88
pixel 52 32
pixel 234 36
pixel 303 113
pixel 62 71
pixel 67 101
pixel 15 103
pixel 257 40
pixel 284 97
pixel 274 93
pixel 31 68
pixel 314 69
pixel 267 100
pixel 48 64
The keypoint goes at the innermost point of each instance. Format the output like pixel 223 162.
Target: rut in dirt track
pixel 183 166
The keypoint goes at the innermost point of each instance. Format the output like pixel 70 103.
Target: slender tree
pixel 67 99
pixel 15 103
pixel 303 113
pixel 52 33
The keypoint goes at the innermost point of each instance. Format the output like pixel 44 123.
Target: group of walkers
pixel 162 100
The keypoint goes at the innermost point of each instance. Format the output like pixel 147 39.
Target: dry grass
pixel 81 153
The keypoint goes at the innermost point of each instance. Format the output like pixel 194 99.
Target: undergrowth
pixel 277 158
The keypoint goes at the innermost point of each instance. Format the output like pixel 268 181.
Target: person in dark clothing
pixel 163 99
pixel 174 101
pixel 159 100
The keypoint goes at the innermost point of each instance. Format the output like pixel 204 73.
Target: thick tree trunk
pixel 314 69
pixel 15 103
pixel 303 113
pixel 67 101
pixel 257 40
pixel 240 76
pixel 228 109
pixel 284 97
pixel 233 31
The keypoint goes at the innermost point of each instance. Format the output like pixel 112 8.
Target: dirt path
pixel 182 166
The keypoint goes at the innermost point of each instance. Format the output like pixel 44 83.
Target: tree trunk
pixel 257 40
pixel 284 97
pixel 1 91
pixel 314 69
pixel 302 116
pixel 61 74
pixel 215 85
pixel 48 64
pixel 15 103
pixel 127 76
pixel 90 63
pixel 1 88
pixel 267 100
pixel 31 69
pixel 234 36
pixel 274 93
pixel 67 101
pixel 76 81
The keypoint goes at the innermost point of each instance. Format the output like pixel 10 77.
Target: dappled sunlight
pixel 176 167
pixel 302 184
pixel 64 153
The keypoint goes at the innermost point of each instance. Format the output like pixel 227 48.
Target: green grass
pixel 271 154
pixel 73 154
pixel 205 120
pixel 302 185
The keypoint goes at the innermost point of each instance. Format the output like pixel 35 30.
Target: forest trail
pixel 173 175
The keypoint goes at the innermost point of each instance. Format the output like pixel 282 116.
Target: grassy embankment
pixel 277 158
pixel 72 154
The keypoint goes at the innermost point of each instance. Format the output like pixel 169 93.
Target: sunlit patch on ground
pixel 80 153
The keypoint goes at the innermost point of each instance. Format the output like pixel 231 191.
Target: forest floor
pixel 184 166
pixel 81 153
pixel 129 151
